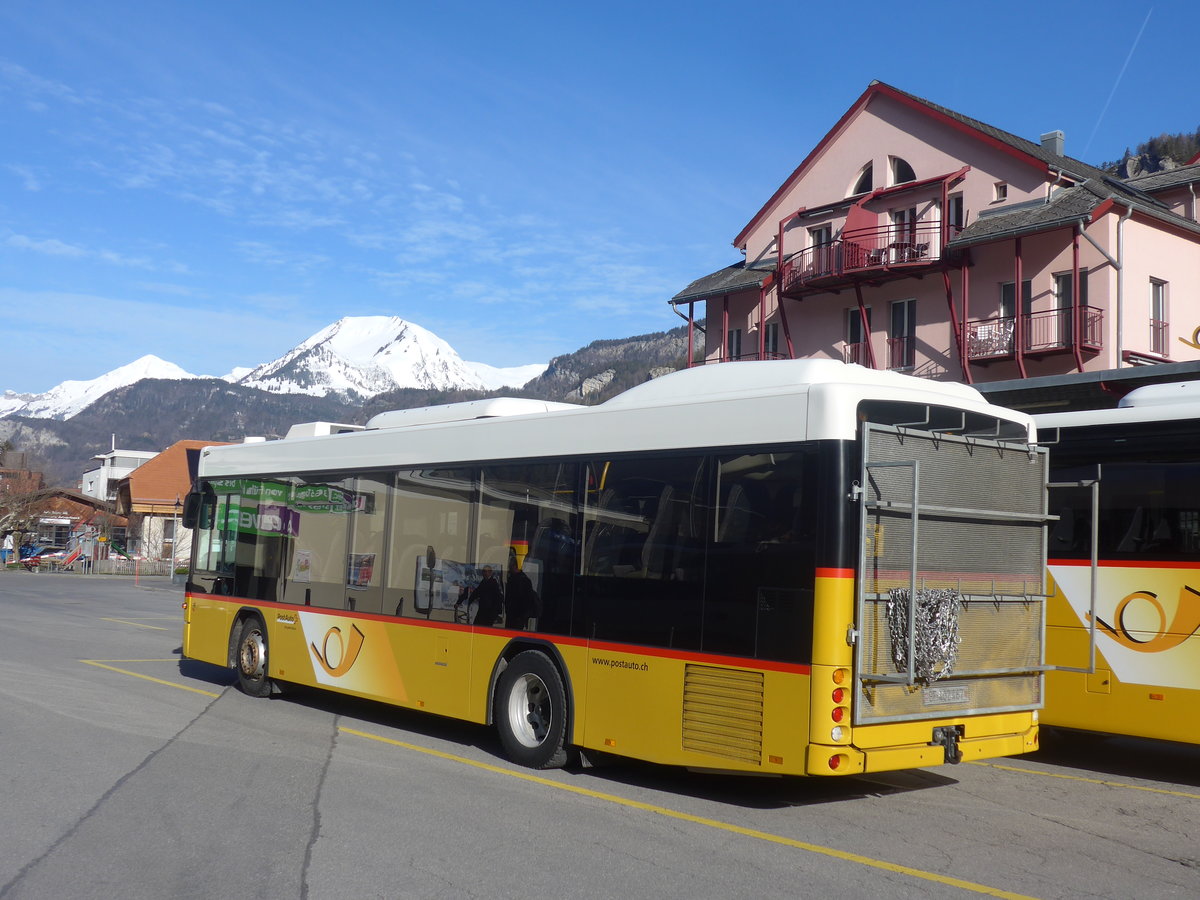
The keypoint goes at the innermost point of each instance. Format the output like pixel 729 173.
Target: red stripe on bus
pixel 834 573
pixel 744 662
pixel 1127 563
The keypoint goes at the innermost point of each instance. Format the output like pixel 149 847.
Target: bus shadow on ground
pixel 194 670
pixel 749 791
pixel 766 792
pixel 1118 756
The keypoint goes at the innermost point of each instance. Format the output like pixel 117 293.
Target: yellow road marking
pixel 700 820
pixel 1117 784
pixel 136 624
pixel 182 687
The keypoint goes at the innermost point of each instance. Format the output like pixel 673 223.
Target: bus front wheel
pixel 531 706
pixel 251 659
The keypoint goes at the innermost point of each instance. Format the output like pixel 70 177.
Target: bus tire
pixel 250 658
pixel 531 712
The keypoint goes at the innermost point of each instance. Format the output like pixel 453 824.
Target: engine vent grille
pixel 723 712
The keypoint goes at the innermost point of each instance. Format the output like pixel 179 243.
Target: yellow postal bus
pixel 788 567
pixel 1124 621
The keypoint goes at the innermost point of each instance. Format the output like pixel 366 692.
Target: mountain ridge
pixel 354 358
pixel 153 413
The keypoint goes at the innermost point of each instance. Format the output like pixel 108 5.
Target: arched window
pixel 865 181
pixel 901 171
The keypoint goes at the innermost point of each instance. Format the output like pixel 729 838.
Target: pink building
pixel 901 239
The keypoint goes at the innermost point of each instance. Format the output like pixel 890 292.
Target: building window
pixel 904 222
pixel 1008 298
pixel 771 340
pixel 904 247
pixel 1158 317
pixel 820 241
pixel 902 335
pixel 902 172
pixel 857 337
pixel 955 213
pixel 1063 301
pixel 865 181
pixel 733 344
pixel 1000 190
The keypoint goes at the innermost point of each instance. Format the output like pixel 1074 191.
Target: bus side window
pixel 643 563
pixel 760 562
pixel 528 525
pixel 430 551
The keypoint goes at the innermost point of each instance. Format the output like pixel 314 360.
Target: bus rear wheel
pixel 251 659
pixel 531 707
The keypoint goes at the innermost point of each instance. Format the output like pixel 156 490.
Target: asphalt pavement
pixel 131 772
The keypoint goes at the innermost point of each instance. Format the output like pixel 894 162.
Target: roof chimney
pixel 1053 142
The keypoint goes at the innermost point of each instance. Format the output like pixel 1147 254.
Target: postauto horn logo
pixel 337 652
pixel 1169 635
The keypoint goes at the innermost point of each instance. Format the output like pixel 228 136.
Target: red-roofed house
pixel 152 497
pixel 900 240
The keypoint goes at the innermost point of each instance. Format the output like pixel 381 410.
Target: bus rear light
pixel 839 676
pixel 838 714
pixel 839 695
pixel 837 733
pixel 836 760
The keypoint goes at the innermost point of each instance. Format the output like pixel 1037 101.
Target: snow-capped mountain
pixel 71 397
pixel 354 358
pixel 365 356
pixel 517 376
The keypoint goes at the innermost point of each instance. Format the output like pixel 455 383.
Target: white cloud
pixel 29 178
pixel 55 247
pixel 49 246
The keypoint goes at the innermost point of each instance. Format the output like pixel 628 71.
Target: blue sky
pixel 214 182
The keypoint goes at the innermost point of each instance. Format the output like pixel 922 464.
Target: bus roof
pixel 1175 401
pixel 735 404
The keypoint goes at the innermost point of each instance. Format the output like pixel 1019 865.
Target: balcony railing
pixel 740 357
pixel 1043 332
pixel 902 352
pixel 865 250
pixel 856 353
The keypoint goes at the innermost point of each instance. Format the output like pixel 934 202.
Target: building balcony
pixel 864 255
pixel 740 357
pixel 857 353
pixel 1050 331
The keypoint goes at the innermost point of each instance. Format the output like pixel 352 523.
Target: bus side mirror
pixel 196 512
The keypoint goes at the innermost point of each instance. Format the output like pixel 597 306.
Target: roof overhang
pixel 879 89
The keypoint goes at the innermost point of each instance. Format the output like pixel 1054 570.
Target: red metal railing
pixel 740 357
pixel 1045 331
pixel 902 352
pixel 865 250
pixel 856 353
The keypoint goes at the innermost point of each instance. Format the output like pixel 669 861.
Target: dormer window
pixel 902 172
pixel 865 182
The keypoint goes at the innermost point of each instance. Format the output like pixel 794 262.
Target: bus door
pixel 950 605
pixel 1075 573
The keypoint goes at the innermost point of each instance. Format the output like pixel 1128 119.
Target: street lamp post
pixel 175 536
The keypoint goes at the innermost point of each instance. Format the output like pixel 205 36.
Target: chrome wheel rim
pixel 252 656
pixel 529 710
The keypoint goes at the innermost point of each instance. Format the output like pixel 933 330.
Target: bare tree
pixel 19 512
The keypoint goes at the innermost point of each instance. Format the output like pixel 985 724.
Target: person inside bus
pixel 520 599
pixel 489 599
